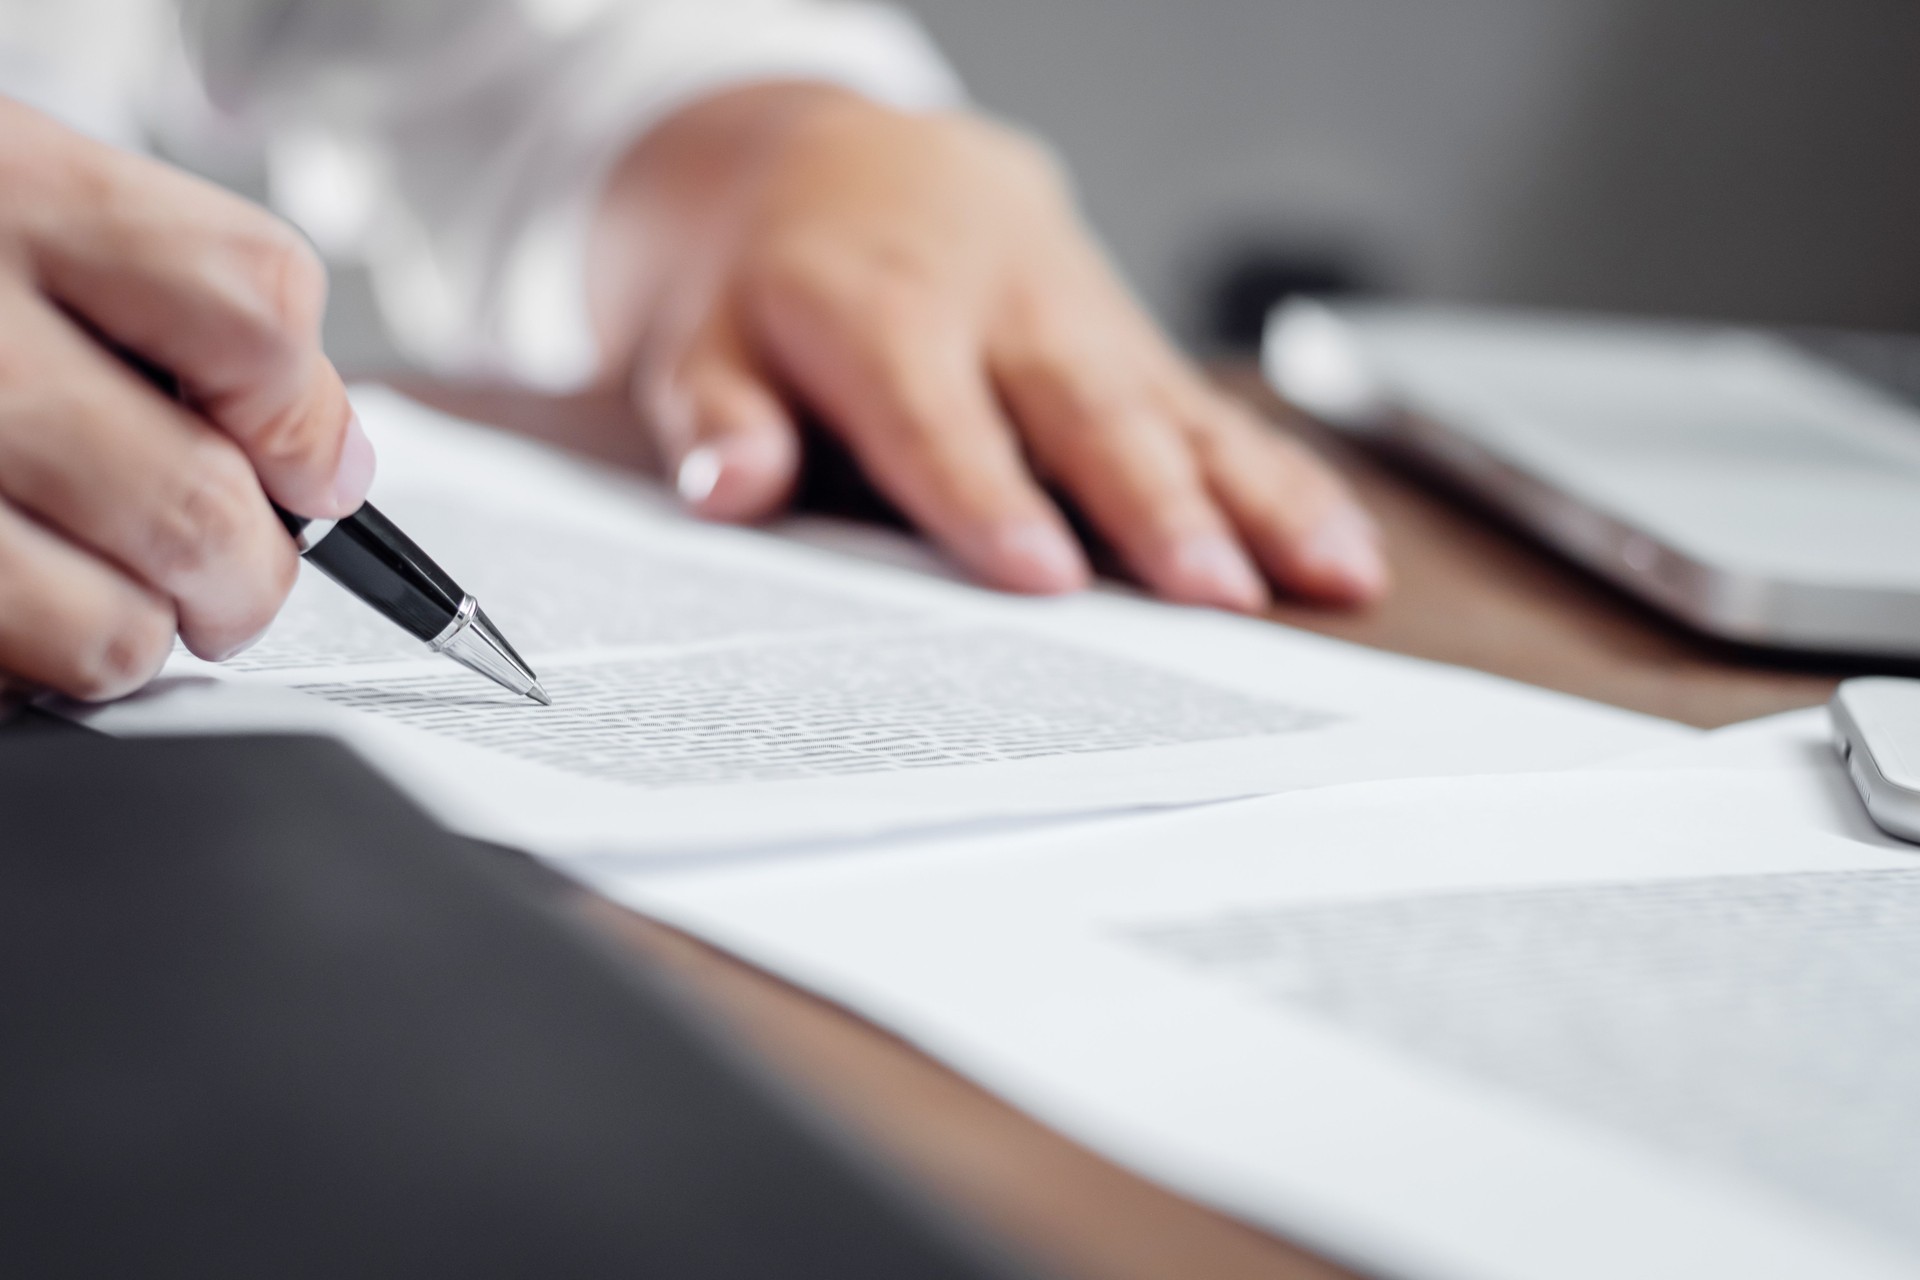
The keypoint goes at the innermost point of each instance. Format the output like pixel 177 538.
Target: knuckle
pixel 785 274
pixel 919 414
pixel 271 292
pixel 301 296
pixel 875 287
pixel 1049 372
pixel 1222 428
pixel 1036 319
pixel 793 283
pixel 47 172
pixel 294 434
pixel 23 376
pixel 239 609
pixel 1068 401
pixel 124 657
pixel 269 581
pixel 281 571
pixel 897 291
pixel 286 277
pixel 211 508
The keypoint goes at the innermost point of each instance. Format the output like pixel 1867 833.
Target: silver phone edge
pixel 1894 809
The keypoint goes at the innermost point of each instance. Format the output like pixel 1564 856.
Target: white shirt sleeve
pixel 458 146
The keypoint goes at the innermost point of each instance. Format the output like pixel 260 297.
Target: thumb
pixel 730 443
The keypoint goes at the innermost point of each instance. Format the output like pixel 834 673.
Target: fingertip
pixel 1035 557
pixel 234 651
pixel 353 474
pixel 1344 557
pixel 310 449
pixel 698 474
pixel 1310 533
pixel 743 476
pixel 1213 569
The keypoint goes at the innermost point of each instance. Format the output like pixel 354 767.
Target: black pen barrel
pixel 368 555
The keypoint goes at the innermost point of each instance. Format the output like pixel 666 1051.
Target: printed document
pixel 1554 1026
pixel 724 689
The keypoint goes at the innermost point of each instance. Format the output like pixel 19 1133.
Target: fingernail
pixel 1213 569
pixel 1039 556
pixel 698 474
pixel 354 476
pixel 1347 545
pixel 244 645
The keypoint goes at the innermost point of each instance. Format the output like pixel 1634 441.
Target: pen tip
pixel 539 695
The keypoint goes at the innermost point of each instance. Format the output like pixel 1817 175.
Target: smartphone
pixel 1876 726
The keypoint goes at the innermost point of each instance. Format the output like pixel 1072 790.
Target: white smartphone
pixel 1876 726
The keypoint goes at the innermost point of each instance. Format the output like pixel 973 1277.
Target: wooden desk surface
pixel 1469 592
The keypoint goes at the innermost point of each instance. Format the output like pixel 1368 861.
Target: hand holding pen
pixel 125 516
pixel 370 557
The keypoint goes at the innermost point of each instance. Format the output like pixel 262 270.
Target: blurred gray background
pixel 1743 159
pixel 1757 159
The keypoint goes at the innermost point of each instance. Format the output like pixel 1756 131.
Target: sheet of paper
pixel 720 689
pixel 1569 1026
pixel 1795 751
pixel 1794 740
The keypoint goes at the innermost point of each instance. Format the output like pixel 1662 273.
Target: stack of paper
pixel 1650 1022
pixel 717 689
pixel 1397 977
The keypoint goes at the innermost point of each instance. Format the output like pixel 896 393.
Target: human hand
pixel 123 515
pixel 922 286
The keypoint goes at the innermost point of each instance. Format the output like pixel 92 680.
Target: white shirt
pixel 454 146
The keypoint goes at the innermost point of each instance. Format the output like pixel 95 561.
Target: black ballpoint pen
pixel 368 555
